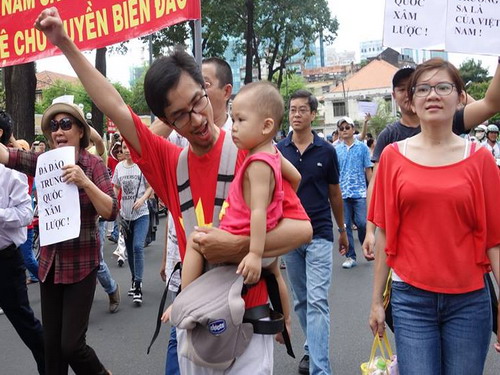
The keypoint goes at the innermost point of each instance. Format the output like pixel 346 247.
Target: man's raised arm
pixel 97 86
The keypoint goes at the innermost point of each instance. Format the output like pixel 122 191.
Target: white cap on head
pixel 492 128
pixel 345 119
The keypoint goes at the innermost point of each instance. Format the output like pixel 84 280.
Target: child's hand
pixel 166 315
pixel 279 336
pixel 250 268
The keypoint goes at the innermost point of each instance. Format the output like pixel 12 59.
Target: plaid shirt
pixel 73 259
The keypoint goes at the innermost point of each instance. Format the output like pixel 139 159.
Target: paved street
pixel 121 339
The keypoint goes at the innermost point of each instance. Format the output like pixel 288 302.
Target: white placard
pixel 367 107
pixel 473 26
pixel 58 202
pixel 416 24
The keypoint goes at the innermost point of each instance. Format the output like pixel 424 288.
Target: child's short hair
pixel 267 100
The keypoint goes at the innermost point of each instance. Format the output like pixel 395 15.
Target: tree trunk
pixel 248 39
pixel 257 58
pixel 20 86
pixel 97 115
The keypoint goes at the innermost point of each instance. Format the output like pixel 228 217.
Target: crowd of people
pixel 236 197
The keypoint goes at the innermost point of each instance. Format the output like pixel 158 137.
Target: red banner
pixel 91 24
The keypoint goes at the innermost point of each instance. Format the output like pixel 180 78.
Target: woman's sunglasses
pixel 65 124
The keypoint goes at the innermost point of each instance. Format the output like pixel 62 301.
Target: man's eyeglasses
pixel 342 128
pixel 442 89
pixel 65 124
pixel 302 111
pixel 185 117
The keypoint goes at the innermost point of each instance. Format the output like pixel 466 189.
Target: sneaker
pixel 304 365
pixel 31 281
pixel 138 294
pixel 114 300
pixel 131 290
pixel 349 263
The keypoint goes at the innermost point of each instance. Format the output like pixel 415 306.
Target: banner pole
pixel 197 41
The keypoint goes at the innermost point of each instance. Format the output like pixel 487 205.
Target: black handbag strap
pixel 494 301
pixel 136 193
pixel 274 296
pixel 178 267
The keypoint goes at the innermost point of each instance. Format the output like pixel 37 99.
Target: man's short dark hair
pixel 164 74
pixel 401 75
pixel 311 99
pixel 223 71
pixel 6 125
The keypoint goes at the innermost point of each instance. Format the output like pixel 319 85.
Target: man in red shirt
pixel 175 92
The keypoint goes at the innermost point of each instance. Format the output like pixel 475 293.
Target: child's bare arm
pixel 290 173
pixel 259 175
pixel 192 266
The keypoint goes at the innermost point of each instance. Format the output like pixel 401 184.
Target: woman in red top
pixel 435 204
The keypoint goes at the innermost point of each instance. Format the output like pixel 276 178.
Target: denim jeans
pixel 103 274
pixel 134 242
pixel 29 258
pixel 355 212
pixel 309 270
pixel 441 334
pixel 114 233
pixel 172 362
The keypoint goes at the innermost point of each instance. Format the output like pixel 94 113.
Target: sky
pixel 359 20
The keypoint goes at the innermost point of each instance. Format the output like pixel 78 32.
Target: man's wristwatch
pixel 343 229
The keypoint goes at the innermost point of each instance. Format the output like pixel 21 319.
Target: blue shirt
pixel 353 161
pixel 319 168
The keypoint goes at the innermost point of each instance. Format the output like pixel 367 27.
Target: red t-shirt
pixel 112 163
pixel 439 221
pixel 158 163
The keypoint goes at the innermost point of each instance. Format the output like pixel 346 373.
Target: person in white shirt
pixel 15 214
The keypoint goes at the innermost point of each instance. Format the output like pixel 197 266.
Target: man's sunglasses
pixel 342 128
pixel 65 124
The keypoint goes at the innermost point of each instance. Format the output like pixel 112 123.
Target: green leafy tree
pixel 478 91
pixel 383 117
pixel 473 71
pixel 292 83
pixel 137 100
pixel 286 30
pixel 60 88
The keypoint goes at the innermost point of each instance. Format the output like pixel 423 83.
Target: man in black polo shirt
pixel 15 214
pixel 309 267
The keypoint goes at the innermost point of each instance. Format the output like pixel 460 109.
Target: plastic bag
pixel 384 364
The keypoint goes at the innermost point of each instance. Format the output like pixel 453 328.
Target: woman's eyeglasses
pixel 442 89
pixel 65 124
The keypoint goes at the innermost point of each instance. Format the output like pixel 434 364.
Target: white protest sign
pixel 367 107
pixel 473 26
pixel 58 202
pixel 418 24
